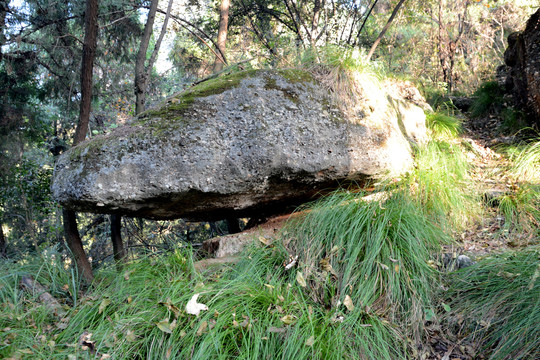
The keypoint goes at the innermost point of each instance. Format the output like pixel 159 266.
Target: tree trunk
pixel 73 238
pixel 364 22
pixel 119 251
pixel 142 70
pixel 378 40
pixel 222 35
pixel 140 78
pixel 89 53
pixel 3 245
pixel 317 6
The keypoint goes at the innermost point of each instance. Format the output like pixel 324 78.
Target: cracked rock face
pixel 247 144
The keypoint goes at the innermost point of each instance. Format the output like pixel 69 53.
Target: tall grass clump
pixel 348 75
pixel 441 187
pixel 521 206
pixel 443 126
pixel 526 167
pixel 499 299
pixel 373 252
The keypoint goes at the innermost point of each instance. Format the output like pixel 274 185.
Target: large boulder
pixel 522 59
pixel 246 144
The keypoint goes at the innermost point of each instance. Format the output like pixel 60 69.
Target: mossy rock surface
pixel 245 144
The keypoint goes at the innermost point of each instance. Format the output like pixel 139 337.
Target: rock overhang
pixel 249 143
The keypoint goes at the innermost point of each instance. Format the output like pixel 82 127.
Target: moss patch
pixel 176 107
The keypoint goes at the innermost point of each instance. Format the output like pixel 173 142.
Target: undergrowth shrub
pixel 526 166
pixel 489 98
pixel 499 301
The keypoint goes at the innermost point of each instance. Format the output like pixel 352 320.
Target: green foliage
pixel 256 310
pixel 499 300
pixel 521 208
pixel 443 126
pixel 350 60
pixel 489 98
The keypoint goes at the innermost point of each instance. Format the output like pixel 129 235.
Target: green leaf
pixel 310 341
pixel 165 326
pixel 103 305
pixel 429 314
pixel 300 279
pixel 446 307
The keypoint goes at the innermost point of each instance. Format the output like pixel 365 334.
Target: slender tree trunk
pixel 73 238
pixel 3 245
pixel 366 17
pixel 317 6
pixel 222 35
pixel 140 71
pixel 119 251
pixel 89 53
pixel 378 40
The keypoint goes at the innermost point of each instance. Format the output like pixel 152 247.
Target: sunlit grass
pixel 256 310
pixel 526 166
pixel 443 126
pixel 521 205
pixel 441 186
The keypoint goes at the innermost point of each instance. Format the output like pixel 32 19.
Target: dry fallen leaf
pixel 165 326
pixel 300 279
pixel 103 305
pixel 193 307
pixel 310 341
pixel 288 319
pixel 130 335
pixel 202 328
pixel 348 303
pixel 264 240
pixel 325 265
pixel 291 263
pixel 172 308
